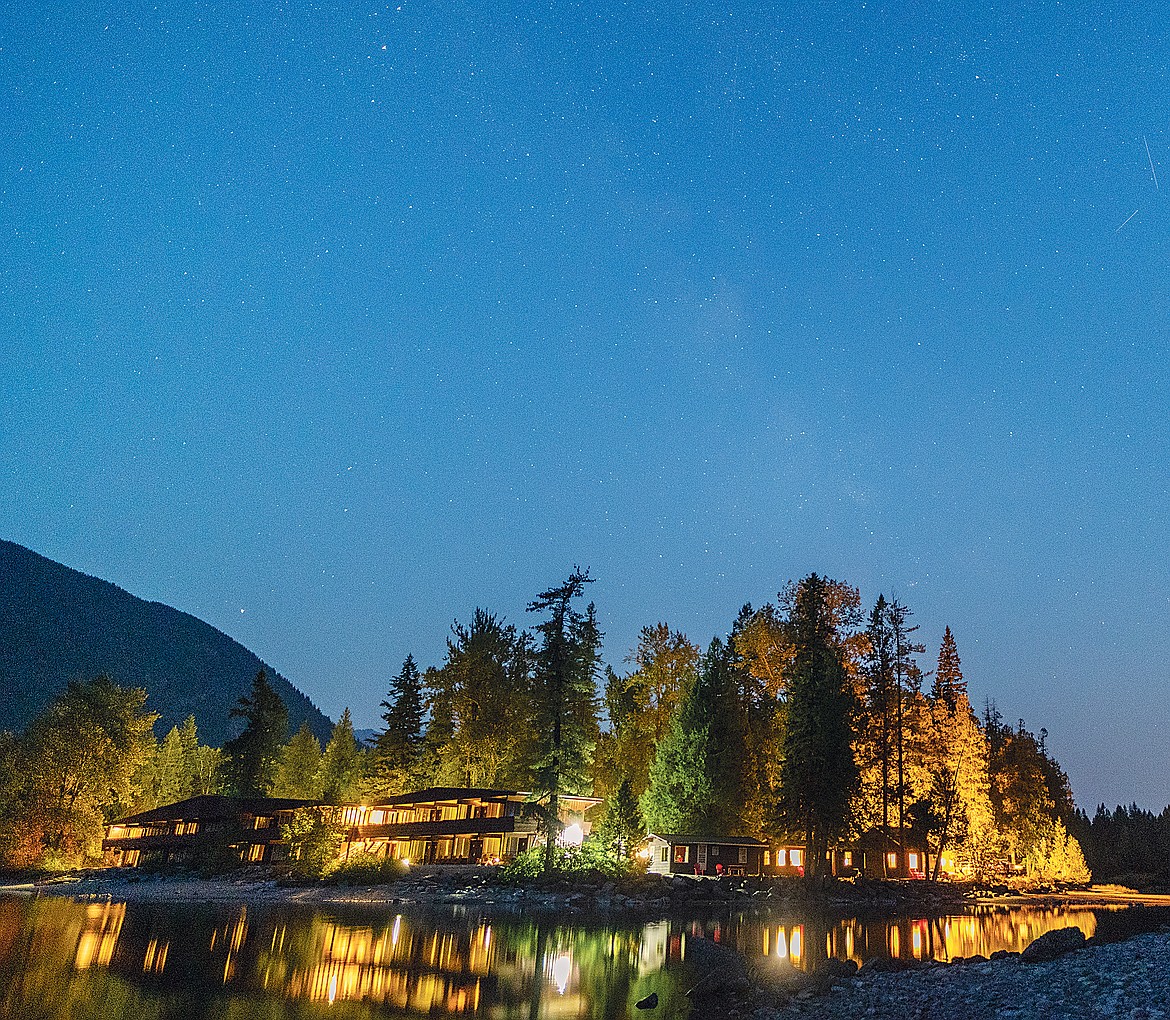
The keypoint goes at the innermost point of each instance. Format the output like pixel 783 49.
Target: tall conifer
pixel 564 699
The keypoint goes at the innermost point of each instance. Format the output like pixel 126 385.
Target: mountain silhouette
pixel 58 624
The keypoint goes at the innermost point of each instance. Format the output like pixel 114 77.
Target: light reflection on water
pixel 159 960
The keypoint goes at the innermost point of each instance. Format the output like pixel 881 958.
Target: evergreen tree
pixel 342 764
pixel 907 685
pixel 1029 790
pixel 819 771
pixel 880 713
pixel 486 681
pixel 957 760
pixel 398 748
pixel 639 707
pixel 564 699
pixel 948 676
pixel 254 754
pixel 621 828
pixel 761 651
pixel 299 775
pixel 170 780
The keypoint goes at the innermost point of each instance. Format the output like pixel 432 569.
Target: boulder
pixel 1052 944
pixel 833 973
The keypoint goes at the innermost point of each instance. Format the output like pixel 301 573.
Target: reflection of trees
pixel 805 944
pixel 53 963
pixel 96 960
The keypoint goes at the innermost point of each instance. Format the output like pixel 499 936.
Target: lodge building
pixel 458 825
pixel 438 825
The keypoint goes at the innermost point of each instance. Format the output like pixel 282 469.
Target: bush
pixel 590 858
pixel 313 843
pixel 367 869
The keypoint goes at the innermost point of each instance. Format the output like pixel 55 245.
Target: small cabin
pixel 705 855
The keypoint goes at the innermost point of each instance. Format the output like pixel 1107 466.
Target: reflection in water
pixel 142 960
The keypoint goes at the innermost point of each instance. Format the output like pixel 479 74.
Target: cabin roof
pixel 455 794
pixel 710 840
pixel 213 807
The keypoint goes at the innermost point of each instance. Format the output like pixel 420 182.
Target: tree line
pixel 808 720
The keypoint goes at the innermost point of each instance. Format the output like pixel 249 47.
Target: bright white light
pixel 572 836
pixel 561 969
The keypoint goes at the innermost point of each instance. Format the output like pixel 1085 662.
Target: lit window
pixel 767 858
pixel 665 854
pixel 913 861
pixel 794 857
pixel 680 855
pixel 781 858
pixel 891 859
pixel 847 858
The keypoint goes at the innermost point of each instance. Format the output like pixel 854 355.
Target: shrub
pixel 590 858
pixel 367 869
pixel 313 843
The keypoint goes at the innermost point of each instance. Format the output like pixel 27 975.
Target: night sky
pixel 329 324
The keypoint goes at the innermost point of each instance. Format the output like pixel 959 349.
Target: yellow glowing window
pixel 767 863
pixel 794 858
pixel 913 857
pixel 847 858
pixel 891 859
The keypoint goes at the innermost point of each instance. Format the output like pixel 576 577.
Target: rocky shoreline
pixel 650 895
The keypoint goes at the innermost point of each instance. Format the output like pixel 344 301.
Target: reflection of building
pixel 455 824
pixel 443 825
pixel 200 828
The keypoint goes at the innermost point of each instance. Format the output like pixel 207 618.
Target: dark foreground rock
pixel 1053 944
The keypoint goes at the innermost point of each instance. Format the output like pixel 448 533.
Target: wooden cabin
pixel 705 855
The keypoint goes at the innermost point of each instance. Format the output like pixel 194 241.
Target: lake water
pixel 145 960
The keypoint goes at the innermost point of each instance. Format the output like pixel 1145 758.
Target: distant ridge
pixel 58 624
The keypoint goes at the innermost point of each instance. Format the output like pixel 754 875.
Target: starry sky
pixel 330 323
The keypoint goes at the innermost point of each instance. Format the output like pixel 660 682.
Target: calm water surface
pixel 143 960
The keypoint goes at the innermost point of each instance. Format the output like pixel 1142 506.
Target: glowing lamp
pixel 573 835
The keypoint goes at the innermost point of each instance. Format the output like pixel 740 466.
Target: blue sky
pixel 329 324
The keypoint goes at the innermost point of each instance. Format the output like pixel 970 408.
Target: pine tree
pixel 907 685
pixel 640 705
pixel 299 773
pixel 398 748
pixel 254 754
pixel 621 828
pixel 878 671
pixel 486 681
pixel 948 676
pixel 819 772
pixel 342 764
pixel 564 700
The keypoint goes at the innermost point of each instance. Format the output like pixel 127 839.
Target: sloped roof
pixel 212 807
pixel 712 840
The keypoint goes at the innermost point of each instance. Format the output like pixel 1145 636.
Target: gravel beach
pixel 1129 980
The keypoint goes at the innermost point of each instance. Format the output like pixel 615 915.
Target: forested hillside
pixel 58 624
